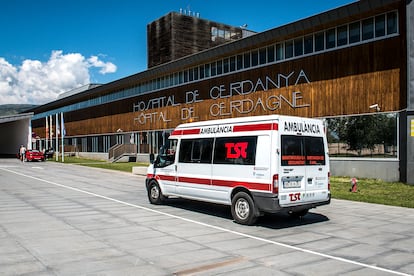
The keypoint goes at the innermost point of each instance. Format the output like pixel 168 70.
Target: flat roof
pixel 16 117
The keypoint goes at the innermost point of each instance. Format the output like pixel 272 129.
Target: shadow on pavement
pixel 273 221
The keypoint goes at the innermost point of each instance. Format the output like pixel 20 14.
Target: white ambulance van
pixel 257 165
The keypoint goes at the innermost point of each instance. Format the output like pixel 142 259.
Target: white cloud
pixel 37 82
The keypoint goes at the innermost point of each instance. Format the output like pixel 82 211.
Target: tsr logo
pixel 236 150
pixel 294 197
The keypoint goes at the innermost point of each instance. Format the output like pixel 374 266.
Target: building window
pixel 298 47
pixel 308 43
pixel 342 38
pixel 219 67
pixel 255 58
pixel 195 73
pixel 368 29
pixel 289 49
pixel 262 56
pixel 392 23
pixel 279 51
pixel 232 63
pixel 201 70
pixel 380 25
pixel 330 38
pixel 207 70
pixel 239 59
pixel 246 60
pixel 319 41
pixel 354 32
pixel 271 53
pixel 226 65
pixel 213 67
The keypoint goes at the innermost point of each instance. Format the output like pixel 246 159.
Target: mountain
pixel 11 109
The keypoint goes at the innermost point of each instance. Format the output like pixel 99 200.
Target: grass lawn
pixel 374 191
pixel 369 190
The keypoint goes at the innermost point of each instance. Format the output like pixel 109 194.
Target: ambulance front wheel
pixel 155 195
pixel 243 209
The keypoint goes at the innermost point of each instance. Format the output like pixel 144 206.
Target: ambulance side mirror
pixel 151 158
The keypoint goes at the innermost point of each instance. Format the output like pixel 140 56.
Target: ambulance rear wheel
pixel 155 195
pixel 243 209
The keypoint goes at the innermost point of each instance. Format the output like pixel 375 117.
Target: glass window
pixel 392 23
pixel 289 49
pixel 196 151
pixel 262 56
pixel 232 64
pixel 298 47
pixel 342 38
pixel 271 53
pixel 201 71
pixel 195 73
pixel 219 67
pixel 239 59
pixel 308 41
pixel 300 150
pixel 207 70
pixel 255 58
pixel 380 25
pixel 235 150
pixel 330 38
pixel 166 156
pixel 246 60
pixel 368 28
pixel 190 75
pixel 292 151
pixel 186 76
pixel 213 69
pixel 181 76
pixel 354 32
pixel 315 151
pixel 319 41
pixel 279 51
pixel 226 65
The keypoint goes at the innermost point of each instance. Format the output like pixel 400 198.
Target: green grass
pixel 369 190
pixel 121 166
pixel 374 191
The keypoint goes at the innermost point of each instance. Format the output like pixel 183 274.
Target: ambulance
pixel 256 165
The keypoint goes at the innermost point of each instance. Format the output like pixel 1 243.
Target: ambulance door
pixel 316 180
pixel 194 168
pixel 292 172
pixel 164 167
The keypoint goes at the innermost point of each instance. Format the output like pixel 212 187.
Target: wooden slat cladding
pixel 339 82
pixel 347 95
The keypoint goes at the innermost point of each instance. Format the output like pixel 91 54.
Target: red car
pixel 34 155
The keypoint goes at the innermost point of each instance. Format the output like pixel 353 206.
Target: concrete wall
pixel 387 170
pixel 12 135
pixel 93 155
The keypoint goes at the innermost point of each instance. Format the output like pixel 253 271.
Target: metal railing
pixel 119 150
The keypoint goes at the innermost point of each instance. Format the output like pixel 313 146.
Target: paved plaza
pixel 61 219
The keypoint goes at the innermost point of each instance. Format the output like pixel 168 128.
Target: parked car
pixel 49 153
pixel 34 155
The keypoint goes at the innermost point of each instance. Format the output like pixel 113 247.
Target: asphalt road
pixel 61 219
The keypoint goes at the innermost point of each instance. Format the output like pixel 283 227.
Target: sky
pixel 48 47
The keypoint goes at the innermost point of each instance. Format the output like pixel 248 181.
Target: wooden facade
pixel 336 83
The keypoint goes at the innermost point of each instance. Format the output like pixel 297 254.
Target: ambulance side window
pixel 196 151
pixel 235 150
pixel 166 154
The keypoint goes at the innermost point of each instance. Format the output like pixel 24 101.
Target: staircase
pixel 119 152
